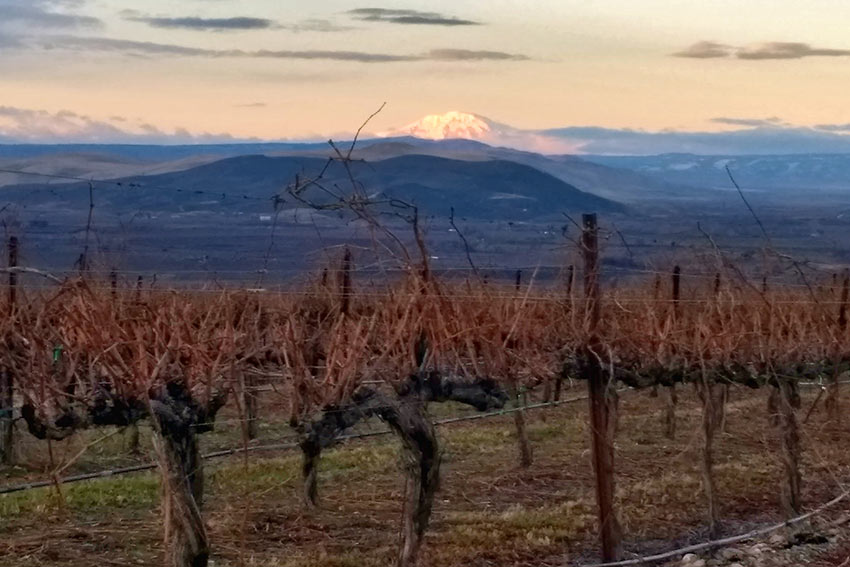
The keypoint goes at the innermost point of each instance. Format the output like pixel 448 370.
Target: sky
pixel 213 70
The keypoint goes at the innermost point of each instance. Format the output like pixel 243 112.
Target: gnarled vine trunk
pixel 324 432
pixel 723 407
pixel 670 401
pixel 249 405
pixel 178 420
pixel 833 397
pixel 526 455
pixel 186 538
pixel 773 406
pixel 405 413
pixel 421 463
pixel 315 436
pixel 789 402
pixel 559 382
pixel 133 439
pixel 7 422
pixel 711 395
pixel 311 451
pixel 420 455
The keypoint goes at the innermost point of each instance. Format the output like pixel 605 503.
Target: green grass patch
pixel 135 492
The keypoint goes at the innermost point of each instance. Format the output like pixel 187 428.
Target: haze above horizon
pixel 565 76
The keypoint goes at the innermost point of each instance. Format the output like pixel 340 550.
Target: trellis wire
pixel 725 541
pixel 272 447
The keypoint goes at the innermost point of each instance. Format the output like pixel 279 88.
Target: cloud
pixel 787 50
pixel 145 48
pixel 104 44
pixel 26 125
pixel 470 55
pixel 9 40
pixel 408 17
pixel 206 24
pixel 238 23
pixel 23 125
pixel 706 50
pixel 41 14
pixel 316 25
pixel 747 141
pixel 834 127
pixel 757 52
pixel 332 55
pixel 772 121
pixel 251 105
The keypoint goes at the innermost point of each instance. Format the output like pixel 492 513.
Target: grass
pixel 488 511
pixel 133 492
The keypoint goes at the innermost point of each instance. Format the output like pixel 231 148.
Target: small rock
pixel 730 553
pixel 689 559
pixel 754 550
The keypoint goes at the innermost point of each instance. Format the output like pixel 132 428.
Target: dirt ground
pixel 489 511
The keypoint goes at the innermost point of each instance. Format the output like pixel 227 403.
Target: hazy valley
pixel 163 208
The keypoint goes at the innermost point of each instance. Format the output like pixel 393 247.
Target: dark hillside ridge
pixel 122 160
pixel 494 189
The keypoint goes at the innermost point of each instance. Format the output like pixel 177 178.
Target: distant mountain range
pixel 490 189
pixel 764 172
pixel 477 179
pixel 616 183
pixel 131 161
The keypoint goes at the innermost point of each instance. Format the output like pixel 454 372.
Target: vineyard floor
pixel 489 511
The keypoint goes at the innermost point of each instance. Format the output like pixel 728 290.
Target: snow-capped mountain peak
pixel 452 124
pixel 468 126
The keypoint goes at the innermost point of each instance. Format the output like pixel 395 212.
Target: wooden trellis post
pixel 345 283
pixel 789 400
pixel 519 402
pixel 833 397
pixel 602 400
pixel 670 398
pixel 113 283
pixel 559 379
pixel 13 277
pixel 677 283
pixel 7 391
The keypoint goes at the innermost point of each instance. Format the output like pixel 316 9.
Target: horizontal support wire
pixel 273 447
pixel 289 446
pixel 725 541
